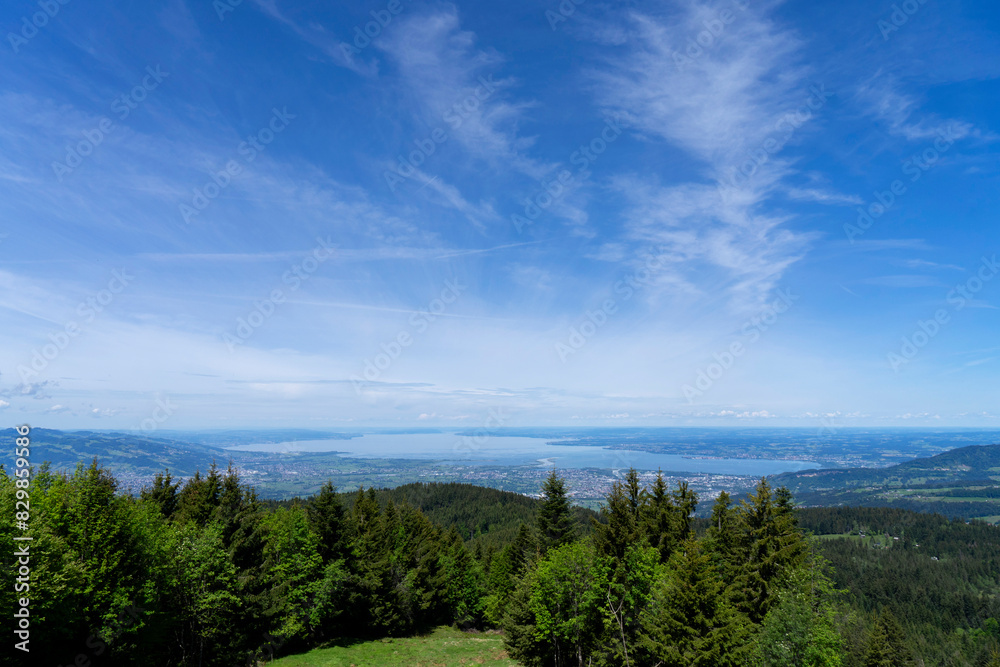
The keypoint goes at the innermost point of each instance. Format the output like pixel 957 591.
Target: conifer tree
pixel 163 493
pixel 520 633
pixel 522 548
pixel 887 643
pixel 622 510
pixel 366 511
pixel 555 521
pixel 240 519
pixel 769 547
pixel 878 652
pixel 721 536
pixel 991 659
pixel 463 581
pixel 507 567
pixel 501 582
pixel 685 502
pixel 689 622
pixel 658 516
pixel 199 497
pixel 326 519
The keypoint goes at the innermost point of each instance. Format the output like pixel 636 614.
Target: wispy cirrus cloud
pixel 721 107
pixel 882 97
pixel 709 243
pixel 925 264
pixel 385 253
pixel 318 36
pixel 824 197
pixel 441 68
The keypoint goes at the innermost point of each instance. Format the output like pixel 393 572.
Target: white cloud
pixel 440 68
pixel 316 35
pixel 881 96
pixel 99 413
pixel 747 414
pixel 747 251
pixel 824 197
pixel 722 107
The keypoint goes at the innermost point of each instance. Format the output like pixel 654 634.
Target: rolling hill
pixel 963 482
pixel 138 454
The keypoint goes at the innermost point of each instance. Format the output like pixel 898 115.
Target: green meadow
pixel 444 647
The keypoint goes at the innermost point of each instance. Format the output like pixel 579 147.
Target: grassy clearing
pixel 868 540
pixel 835 536
pixel 989 519
pixel 444 647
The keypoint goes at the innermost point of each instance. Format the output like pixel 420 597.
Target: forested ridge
pixel 960 482
pixel 204 573
pixel 480 514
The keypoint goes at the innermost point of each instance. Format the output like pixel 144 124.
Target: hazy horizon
pixel 455 428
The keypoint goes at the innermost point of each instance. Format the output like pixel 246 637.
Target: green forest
pixel 205 573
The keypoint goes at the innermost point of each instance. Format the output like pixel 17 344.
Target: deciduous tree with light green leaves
pixel 626 588
pixel 555 619
pixel 800 630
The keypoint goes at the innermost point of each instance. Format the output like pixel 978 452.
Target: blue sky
pixel 666 213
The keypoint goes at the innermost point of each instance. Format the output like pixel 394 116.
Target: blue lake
pixel 514 450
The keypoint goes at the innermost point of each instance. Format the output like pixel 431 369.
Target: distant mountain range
pixel 181 451
pixel 963 482
pixel 129 452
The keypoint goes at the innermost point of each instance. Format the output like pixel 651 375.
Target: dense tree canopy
pixel 201 572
